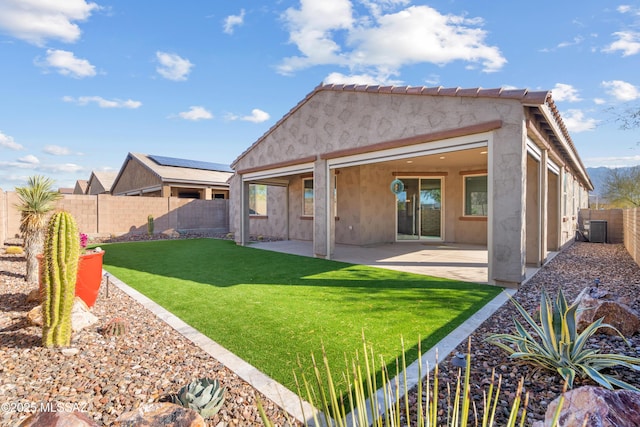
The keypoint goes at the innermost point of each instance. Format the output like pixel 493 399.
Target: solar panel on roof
pixel 191 164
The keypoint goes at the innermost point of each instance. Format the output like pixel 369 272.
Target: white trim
pixel 428 148
pixel 533 149
pixel 553 168
pixel 490 218
pixel 279 172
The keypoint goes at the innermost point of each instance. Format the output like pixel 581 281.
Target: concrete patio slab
pixel 448 260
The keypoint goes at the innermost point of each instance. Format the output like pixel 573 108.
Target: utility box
pixel 598 231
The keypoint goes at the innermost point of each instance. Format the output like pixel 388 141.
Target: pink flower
pixel 83 240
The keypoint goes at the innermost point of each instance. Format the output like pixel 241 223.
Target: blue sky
pixel 83 83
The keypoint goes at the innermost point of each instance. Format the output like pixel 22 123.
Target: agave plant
pixel 555 344
pixel 204 395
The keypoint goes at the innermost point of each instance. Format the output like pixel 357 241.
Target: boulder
pixel 595 303
pixel 599 406
pixel 59 419
pixel 81 317
pixel 160 414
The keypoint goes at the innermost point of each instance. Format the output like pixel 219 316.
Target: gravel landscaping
pixel 109 376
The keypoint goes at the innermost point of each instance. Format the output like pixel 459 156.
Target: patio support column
pixel 321 211
pixel 544 205
pixel 244 213
pixel 507 166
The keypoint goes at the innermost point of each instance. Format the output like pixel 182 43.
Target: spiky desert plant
pixel 203 395
pixel 60 269
pixel 37 199
pixel 386 404
pixel 556 345
pixel 116 327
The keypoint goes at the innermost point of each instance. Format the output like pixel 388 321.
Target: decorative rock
pixel 160 414
pixel 595 303
pixel 58 419
pixel 81 317
pixel 601 407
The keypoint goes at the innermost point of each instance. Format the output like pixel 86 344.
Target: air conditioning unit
pixel 598 231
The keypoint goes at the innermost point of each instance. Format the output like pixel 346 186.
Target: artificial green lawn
pixel 271 308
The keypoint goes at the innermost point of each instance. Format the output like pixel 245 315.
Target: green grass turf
pixel 271 308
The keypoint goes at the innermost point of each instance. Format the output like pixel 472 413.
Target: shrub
pixel 555 344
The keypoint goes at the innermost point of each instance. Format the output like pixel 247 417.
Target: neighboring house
pixel 364 165
pixel 65 190
pixel 81 186
pixel 100 182
pixel 159 176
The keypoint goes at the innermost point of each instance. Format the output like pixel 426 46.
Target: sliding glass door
pixel 419 209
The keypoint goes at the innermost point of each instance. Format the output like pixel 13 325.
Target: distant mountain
pixel 597 176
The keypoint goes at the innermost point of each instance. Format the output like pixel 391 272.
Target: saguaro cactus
pixel 150 225
pixel 59 273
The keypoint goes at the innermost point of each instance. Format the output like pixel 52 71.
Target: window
pixel 257 199
pixel 475 195
pixel 307 197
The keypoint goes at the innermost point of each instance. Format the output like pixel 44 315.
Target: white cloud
pixel 29 160
pixel 233 21
pixel 36 21
pixel 66 167
pixel 7 141
pixel 576 121
pixel 613 162
pixel 172 66
pixel 361 79
pixel 196 113
pixel 257 116
pixel 565 92
pixel 68 65
pixel 326 33
pixel 56 150
pixel 599 101
pixel 628 42
pixel 621 90
pixel 102 102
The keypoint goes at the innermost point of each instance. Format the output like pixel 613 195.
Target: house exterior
pixel 365 165
pixel 160 176
pixel 100 182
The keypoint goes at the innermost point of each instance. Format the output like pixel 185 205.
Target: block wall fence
pixel 105 215
pixel 631 221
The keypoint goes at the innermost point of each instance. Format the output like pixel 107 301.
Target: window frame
pixel 256 214
pixel 464 195
pixel 304 196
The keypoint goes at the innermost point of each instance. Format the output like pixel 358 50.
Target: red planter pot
pixel 89 277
